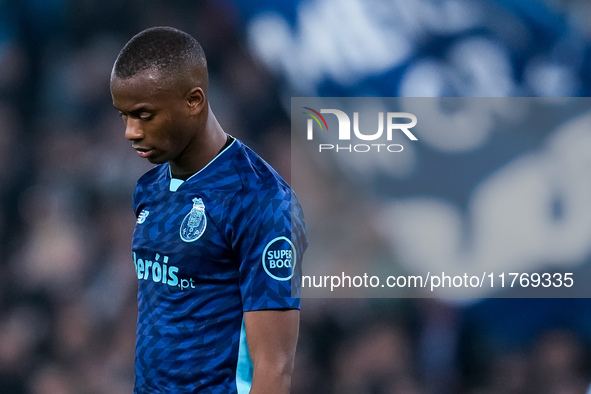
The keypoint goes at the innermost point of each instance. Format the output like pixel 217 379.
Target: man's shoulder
pixel 153 175
pixel 264 195
pixel 148 183
pixel 152 179
pixel 256 174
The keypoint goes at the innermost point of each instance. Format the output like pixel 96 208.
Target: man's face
pixel 156 116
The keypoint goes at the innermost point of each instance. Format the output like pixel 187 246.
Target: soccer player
pixel 219 234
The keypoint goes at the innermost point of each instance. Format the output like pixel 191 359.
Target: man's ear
pixel 196 100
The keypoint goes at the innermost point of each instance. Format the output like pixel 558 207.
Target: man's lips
pixel 143 152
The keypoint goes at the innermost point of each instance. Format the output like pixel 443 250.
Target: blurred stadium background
pixel 67 289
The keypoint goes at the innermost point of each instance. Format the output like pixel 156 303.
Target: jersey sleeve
pixel 269 241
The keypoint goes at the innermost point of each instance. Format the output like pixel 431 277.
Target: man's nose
pixel 133 131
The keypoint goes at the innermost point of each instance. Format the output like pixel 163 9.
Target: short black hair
pixel 168 50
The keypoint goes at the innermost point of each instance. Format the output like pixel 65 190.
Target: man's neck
pixel 184 177
pixel 201 151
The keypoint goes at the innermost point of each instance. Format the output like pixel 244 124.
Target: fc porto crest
pixel 194 222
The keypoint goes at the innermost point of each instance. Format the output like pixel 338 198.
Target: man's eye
pixel 145 116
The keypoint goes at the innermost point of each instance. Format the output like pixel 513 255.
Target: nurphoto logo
pixel 395 122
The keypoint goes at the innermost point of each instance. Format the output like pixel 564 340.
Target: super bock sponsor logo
pixel 279 258
pixel 194 222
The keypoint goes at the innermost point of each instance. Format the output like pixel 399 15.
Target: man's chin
pixel 154 157
pixel 156 160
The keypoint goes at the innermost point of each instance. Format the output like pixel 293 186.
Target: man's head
pixel 164 50
pixel 159 84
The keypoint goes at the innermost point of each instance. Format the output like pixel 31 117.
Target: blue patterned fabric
pixel 228 240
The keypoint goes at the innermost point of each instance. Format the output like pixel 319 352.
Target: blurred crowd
pixel 67 290
pixel 67 287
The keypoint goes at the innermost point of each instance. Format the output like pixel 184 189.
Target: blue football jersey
pixel 228 240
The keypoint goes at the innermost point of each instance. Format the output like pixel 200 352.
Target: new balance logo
pixel 142 217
